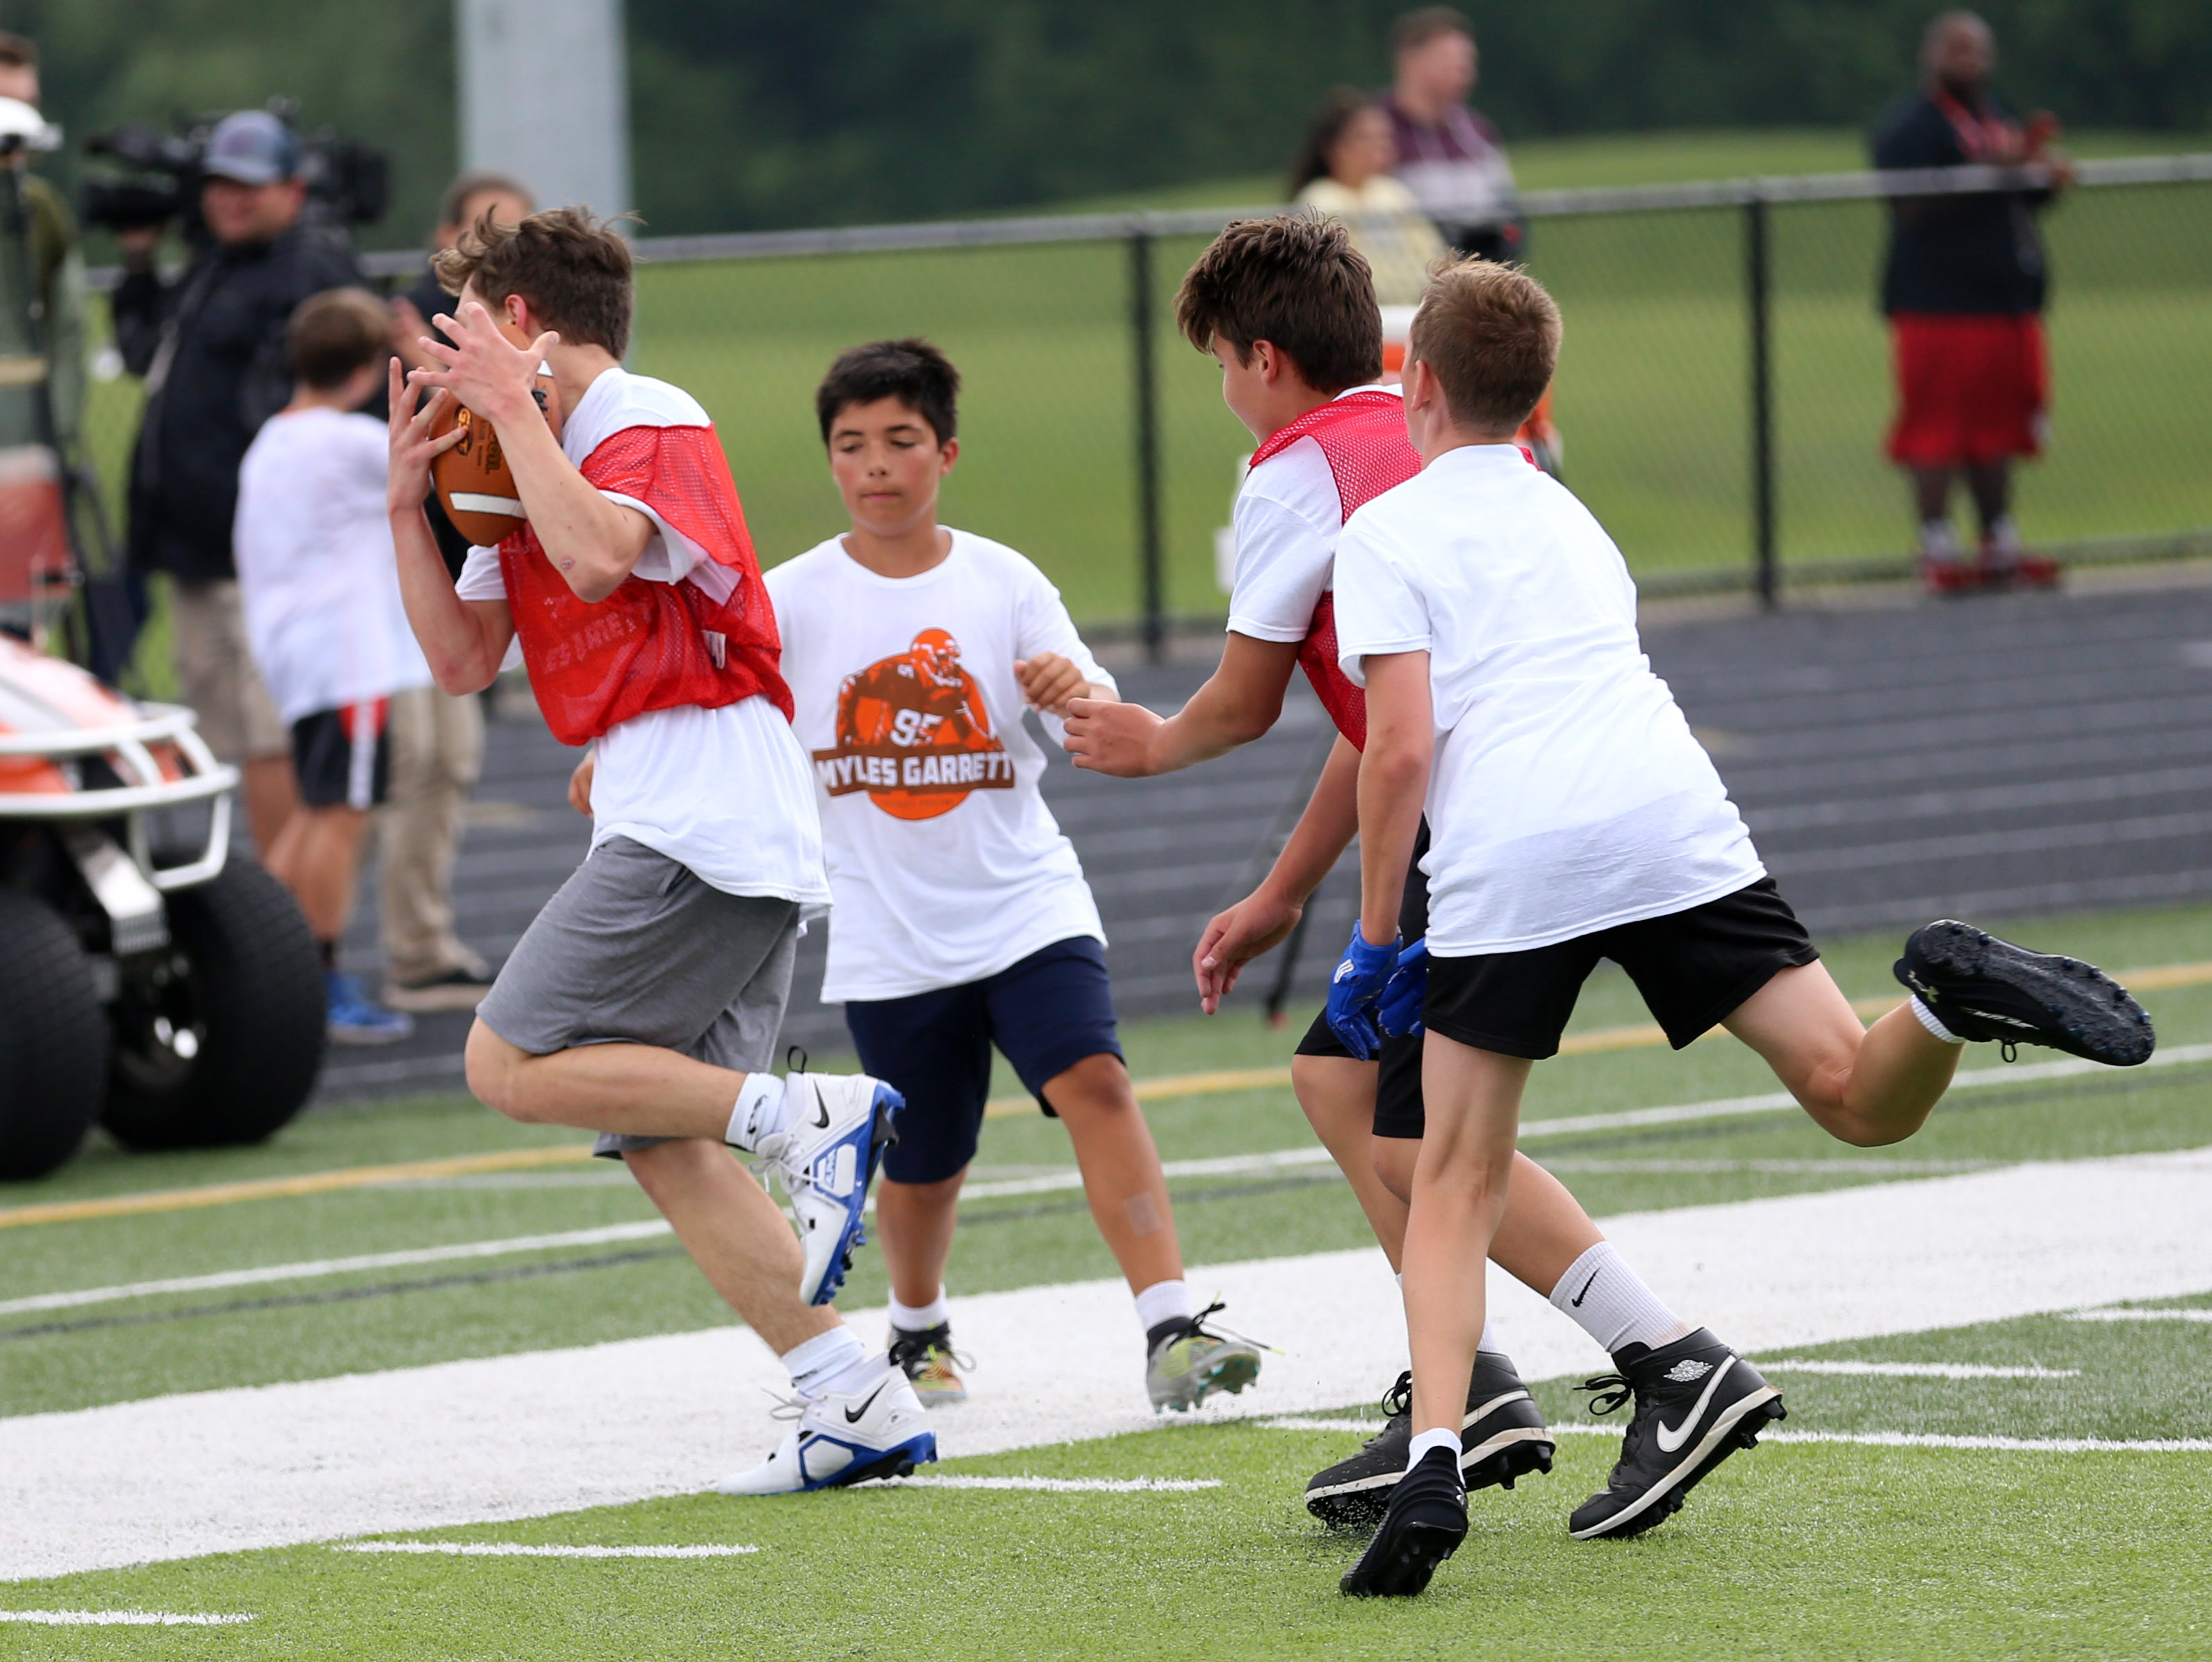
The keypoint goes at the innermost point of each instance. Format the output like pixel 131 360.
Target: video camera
pixel 158 175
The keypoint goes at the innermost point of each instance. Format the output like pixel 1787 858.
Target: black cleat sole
pixel 1741 1433
pixel 2085 1012
pixel 1403 1566
pixel 1500 1467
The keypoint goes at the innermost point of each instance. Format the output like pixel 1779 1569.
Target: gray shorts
pixel 634 948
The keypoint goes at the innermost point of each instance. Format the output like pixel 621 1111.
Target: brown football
pixel 475 486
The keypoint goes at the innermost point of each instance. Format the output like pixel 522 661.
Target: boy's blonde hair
pixel 1490 334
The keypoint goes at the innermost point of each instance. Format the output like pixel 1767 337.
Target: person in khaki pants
pixel 437 740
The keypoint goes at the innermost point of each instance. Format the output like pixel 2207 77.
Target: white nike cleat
pixel 827 1157
pixel 880 1431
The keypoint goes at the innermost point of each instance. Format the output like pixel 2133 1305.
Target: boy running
pixel 644 1001
pixel 1574 817
pixel 1286 306
pixel 962 917
pixel 324 619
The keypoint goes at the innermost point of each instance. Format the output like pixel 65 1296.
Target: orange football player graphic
pixel 914 733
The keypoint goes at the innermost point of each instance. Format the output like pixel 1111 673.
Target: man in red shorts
pixel 1964 291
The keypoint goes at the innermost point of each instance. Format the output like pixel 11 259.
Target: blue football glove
pixel 1398 1012
pixel 1360 979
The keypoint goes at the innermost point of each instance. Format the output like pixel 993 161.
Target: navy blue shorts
pixel 1047 1013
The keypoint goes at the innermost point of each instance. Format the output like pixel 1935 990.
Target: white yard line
pixel 506 1437
pixel 1860 1439
pixel 1053 1485
pixel 118 1619
pixel 1918 1370
pixel 2139 1315
pixel 517 1550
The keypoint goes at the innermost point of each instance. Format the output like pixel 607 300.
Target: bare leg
pixel 1990 482
pixel 639 1090
pixel 1460 1184
pixel 1867 1087
pixel 1121 1175
pixel 1338 1095
pixel 1545 1228
pixel 318 857
pixel 272 797
pixel 914 1226
pixel 737 1235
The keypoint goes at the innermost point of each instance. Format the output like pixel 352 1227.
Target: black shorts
pixel 341 757
pixel 1692 967
pixel 1398 1110
pixel 1048 1012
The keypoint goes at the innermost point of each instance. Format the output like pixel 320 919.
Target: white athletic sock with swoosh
pixel 835 1360
pixel 763 1108
pixel 1609 1301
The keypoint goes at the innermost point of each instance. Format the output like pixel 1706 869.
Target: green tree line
pixel 769 112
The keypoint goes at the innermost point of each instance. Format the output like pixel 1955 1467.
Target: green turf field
pixel 1803 1547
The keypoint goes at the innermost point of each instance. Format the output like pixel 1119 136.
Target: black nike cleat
pixel 1422 1526
pixel 1503 1438
pixel 1697 1402
pixel 1988 990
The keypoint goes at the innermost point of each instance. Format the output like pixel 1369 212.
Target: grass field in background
pixel 1798 1549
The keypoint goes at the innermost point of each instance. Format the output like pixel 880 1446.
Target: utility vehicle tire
pixel 53 1040
pixel 219 1036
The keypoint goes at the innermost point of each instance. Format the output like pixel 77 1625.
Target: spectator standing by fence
pixel 1344 172
pixel 210 346
pixel 437 739
pixel 1964 289
pixel 1449 157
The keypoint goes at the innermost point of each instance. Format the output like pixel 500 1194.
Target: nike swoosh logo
pixel 1669 1441
pixel 852 1415
pixel 822 1113
pixel 1577 1299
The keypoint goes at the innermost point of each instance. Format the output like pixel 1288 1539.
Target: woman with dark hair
pixel 1343 171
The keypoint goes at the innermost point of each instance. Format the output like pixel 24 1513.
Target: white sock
pixel 1927 1019
pixel 1445 1436
pixel 1609 1301
pixel 1489 1340
pixel 1164 1300
pixel 920 1318
pixel 763 1110
pixel 1937 540
pixel 828 1361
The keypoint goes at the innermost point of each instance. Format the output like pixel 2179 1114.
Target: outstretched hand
pixel 1255 924
pixel 1111 738
pixel 483 368
pixel 412 448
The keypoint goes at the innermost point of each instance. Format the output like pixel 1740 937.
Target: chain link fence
pixel 1722 395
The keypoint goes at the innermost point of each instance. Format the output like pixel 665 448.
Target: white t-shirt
pixel 315 569
pixel 946 864
pixel 724 791
pixel 1567 794
pixel 1287 519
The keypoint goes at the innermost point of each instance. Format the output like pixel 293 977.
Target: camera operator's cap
pixel 251 147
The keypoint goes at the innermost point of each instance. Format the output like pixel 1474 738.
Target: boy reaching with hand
pixel 1573 818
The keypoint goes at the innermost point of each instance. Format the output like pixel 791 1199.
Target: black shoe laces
pixel 1196 1329
pixel 1398 1398
pixel 1612 1389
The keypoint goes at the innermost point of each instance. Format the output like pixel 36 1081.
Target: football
pixel 475 486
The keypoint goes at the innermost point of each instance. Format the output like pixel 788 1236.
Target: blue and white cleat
pixel 841 1123
pixel 880 1431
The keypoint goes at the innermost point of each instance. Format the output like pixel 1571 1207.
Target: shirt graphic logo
pixel 912 732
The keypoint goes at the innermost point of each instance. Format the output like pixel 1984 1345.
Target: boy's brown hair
pixel 1296 281
pixel 332 333
pixel 1490 334
pixel 1416 28
pixel 569 265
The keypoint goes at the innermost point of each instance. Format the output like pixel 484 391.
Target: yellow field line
pixel 1165 1088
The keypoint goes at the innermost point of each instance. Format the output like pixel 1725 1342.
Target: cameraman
pixel 211 349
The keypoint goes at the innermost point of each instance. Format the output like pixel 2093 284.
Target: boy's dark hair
pixel 476 185
pixel 911 371
pixel 1335 114
pixel 334 333
pixel 1490 334
pixel 569 265
pixel 1294 281
pixel 18 53
pixel 1416 28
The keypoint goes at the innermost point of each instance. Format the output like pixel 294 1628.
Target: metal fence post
pixel 1758 292
pixel 1152 577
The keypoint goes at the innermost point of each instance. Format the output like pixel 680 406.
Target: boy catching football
pixel 1573 818
pixel 961 918
pixel 1286 306
pixel 643 1002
